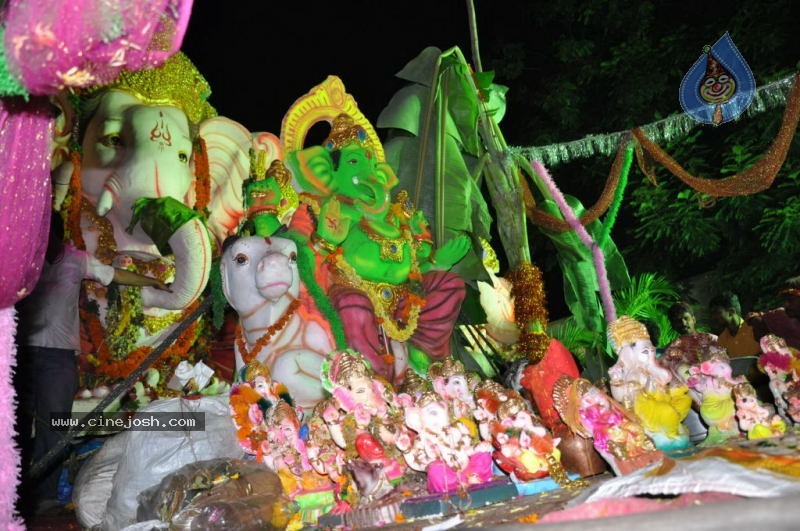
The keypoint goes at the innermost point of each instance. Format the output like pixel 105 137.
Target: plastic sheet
pixel 149 456
pixel 218 494
pixel 95 479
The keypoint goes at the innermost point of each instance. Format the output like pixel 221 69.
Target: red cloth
pixel 778 322
pixel 540 378
pixel 444 293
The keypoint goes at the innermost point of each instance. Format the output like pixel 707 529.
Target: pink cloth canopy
pixel 49 46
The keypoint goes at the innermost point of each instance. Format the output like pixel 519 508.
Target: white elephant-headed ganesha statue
pixel 645 388
pixel 279 324
pixel 153 184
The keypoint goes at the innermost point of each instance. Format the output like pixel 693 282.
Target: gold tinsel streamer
pixel 530 308
pixel 550 222
pixel 756 178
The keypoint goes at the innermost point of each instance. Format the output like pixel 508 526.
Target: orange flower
pixel 73 202
pixel 120 369
pixel 202 185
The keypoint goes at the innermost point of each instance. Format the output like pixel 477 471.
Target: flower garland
pixel 123 319
pixel 274 328
pixel 242 398
pixel 106 365
pixel 202 183
pixel 73 202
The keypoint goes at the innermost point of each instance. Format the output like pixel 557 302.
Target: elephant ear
pixel 389 175
pixel 228 145
pixel 312 169
pixel 62 133
pixel 270 144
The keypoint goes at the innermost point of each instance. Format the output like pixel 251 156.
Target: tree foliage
pixel 579 67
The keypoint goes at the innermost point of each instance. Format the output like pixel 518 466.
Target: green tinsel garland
pixel 218 302
pixel 9 86
pixel 305 264
pixel 661 132
pixel 613 210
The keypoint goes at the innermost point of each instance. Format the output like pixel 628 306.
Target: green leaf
pixel 404 110
pixel 420 69
pixel 465 211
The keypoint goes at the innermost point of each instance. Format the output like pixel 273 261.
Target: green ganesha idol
pixel 392 291
pixel 269 199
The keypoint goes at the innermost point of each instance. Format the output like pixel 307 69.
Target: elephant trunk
pixel 192 250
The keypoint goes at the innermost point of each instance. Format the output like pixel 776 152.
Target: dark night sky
pixel 260 56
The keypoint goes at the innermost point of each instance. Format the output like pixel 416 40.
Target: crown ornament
pixel 624 331
pixel 176 83
pixel 344 131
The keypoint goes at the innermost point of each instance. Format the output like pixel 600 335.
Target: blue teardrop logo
pixel 719 86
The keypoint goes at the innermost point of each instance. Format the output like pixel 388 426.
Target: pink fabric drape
pixel 53 44
pixel 25 132
pixel 50 45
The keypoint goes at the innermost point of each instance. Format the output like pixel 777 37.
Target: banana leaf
pixel 581 288
pixel 456 149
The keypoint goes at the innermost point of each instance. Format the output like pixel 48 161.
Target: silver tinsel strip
pixel 663 131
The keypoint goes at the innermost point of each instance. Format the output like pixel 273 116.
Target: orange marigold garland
pixel 202 183
pixel 72 203
pixel 277 326
pixel 530 311
pixel 241 399
pixel 107 366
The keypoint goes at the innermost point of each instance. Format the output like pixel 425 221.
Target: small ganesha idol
pixel 713 381
pixel 452 382
pixel 362 414
pixel 250 403
pixel 645 387
pixel 443 447
pixel 778 362
pixel 616 434
pixel 523 447
pixel 755 419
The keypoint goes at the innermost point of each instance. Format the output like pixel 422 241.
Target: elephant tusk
pixel 105 202
pixel 109 196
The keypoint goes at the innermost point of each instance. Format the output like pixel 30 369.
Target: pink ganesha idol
pixel 713 381
pixel 451 382
pixel 362 414
pixel 250 402
pixel 778 362
pixel 524 448
pixel 443 447
pixel 616 434
pixel 754 418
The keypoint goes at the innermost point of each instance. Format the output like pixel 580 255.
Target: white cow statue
pixel 279 325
